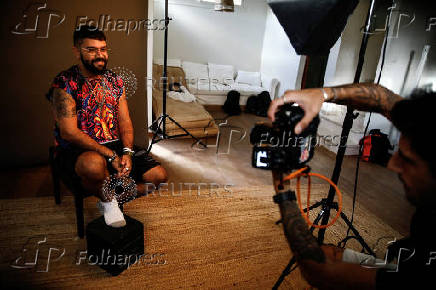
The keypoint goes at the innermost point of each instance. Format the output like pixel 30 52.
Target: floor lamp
pixel 158 127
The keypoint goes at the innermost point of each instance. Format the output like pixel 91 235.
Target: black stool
pixel 114 249
pixel 74 186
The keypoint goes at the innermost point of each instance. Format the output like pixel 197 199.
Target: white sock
pixel 112 213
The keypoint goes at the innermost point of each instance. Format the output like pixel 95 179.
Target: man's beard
pixel 89 65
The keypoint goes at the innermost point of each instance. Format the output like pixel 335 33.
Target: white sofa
pixel 210 82
pixel 330 128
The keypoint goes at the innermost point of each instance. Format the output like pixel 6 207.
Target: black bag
pixel 114 249
pixel 251 106
pixel 231 105
pixel 259 104
pixel 376 147
pixel 263 102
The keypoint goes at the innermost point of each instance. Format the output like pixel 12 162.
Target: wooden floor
pixel 207 241
pixel 229 165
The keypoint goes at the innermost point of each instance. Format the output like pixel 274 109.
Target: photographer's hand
pixel 310 100
pixel 364 97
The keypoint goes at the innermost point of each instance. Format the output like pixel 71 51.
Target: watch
pixel 112 158
pixel 287 195
pixel 325 95
pixel 128 151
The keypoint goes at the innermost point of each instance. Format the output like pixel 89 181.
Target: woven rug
pixel 209 239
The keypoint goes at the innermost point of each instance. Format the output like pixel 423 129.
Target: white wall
pixel 279 58
pixel 200 34
pixel 350 46
pixel 408 38
pixel 330 71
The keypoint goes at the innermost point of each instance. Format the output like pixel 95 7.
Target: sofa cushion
pixel 247 89
pixel 250 78
pixel 175 74
pixel 197 74
pixel 170 62
pixel 223 74
pixel 195 70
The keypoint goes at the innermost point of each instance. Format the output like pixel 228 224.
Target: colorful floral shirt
pixel 97 103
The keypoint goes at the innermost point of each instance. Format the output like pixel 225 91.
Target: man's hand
pixel 310 100
pixel 332 253
pixel 126 164
pixel 116 164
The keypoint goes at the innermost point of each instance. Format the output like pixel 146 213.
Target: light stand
pixel 328 203
pixel 158 127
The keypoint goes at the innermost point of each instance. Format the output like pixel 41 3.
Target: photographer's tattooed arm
pixel 318 267
pixel 301 241
pixel 364 97
pixel 303 244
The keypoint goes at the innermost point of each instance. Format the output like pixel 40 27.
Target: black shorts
pixel 66 161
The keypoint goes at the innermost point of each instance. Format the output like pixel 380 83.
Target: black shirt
pixel 416 256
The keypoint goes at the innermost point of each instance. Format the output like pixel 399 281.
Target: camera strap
pixel 287 195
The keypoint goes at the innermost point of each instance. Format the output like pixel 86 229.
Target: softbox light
pixel 313 26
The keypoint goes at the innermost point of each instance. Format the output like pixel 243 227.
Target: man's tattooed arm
pixel 303 244
pixel 63 104
pixel 125 123
pixel 317 267
pixel 301 241
pixel 364 97
pixel 64 108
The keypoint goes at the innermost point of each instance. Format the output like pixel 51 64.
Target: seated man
pixel 94 132
pixel 415 163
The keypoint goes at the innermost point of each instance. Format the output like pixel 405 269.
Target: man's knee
pixel 91 165
pixel 156 175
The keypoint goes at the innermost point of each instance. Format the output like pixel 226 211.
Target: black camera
pixel 278 147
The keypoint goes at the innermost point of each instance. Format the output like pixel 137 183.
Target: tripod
pixel 327 204
pixel 158 127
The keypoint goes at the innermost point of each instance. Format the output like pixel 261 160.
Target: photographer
pixel 326 267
